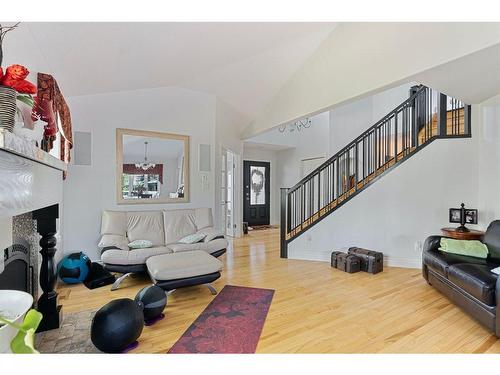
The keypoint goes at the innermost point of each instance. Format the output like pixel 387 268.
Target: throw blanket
pixel 461 247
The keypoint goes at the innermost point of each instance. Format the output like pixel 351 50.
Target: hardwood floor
pixel 316 309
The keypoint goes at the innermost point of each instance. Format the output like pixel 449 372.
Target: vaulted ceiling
pixel 244 64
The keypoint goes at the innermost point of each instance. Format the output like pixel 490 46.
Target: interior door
pixel 256 192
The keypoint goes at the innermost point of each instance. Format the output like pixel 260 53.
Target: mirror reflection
pixel 153 168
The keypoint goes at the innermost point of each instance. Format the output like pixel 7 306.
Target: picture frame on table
pixel 455 215
pixel 470 216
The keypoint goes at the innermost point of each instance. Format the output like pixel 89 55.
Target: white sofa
pixel 163 228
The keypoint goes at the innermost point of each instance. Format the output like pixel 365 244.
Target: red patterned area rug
pixel 231 323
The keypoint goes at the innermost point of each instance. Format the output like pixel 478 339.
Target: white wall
pixel 310 143
pixel 359 58
pixel 387 100
pixel 489 161
pixel 348 121
pixel 90 189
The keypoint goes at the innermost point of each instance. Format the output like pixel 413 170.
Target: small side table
pixel 470 235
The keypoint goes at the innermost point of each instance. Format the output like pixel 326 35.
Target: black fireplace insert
pixel 17 273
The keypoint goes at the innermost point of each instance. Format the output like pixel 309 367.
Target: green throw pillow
pixel 140 244
pixel 462 247
pixel 193 238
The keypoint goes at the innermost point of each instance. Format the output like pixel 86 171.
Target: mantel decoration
pixel 42 110
pixel 13 87
pixel 296 126
pixel 463 216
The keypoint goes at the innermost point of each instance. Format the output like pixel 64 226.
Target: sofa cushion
pixel 114 222
pixel 211 234
pixel 140 244
pixel 112 240
pixel 138 256
pixel 439 261
pixel 203 218
pixel 146 225
pixel 178 224
pixel 193 238
pixel 475 279
pixel 209 247
pixel 181 265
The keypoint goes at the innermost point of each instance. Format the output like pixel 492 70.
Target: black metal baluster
pixel 319 191
pixel 302 195
pixel 395 139
pixel 284 222
pixel 288 213
pixel 356 160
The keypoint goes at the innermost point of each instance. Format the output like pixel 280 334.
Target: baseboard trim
pixel 391 261
pixel 324 256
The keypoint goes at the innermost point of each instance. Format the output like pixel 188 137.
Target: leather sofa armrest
pixel 497 300
pixel 432 243
pixel 211 234
pixel 113 241
pixel 106 248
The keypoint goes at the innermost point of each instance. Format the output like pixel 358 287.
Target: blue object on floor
pixel 74 268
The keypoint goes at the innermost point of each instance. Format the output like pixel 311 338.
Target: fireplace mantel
pixel 30 178
pixel 9 142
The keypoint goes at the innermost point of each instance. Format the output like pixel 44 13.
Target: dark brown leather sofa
pixel 467 281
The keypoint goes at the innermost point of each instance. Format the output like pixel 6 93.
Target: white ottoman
pixel 179 270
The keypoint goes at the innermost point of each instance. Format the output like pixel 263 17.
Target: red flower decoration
pixel 15 77
pixel 16 72
pixel 24 87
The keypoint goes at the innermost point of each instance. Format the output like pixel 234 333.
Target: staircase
pixel 425 116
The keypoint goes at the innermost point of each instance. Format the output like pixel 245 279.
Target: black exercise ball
pixel 153 300
pixel 116 325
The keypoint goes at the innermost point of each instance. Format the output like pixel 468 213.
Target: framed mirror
pixel 151 167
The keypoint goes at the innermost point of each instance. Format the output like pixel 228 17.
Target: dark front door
pixel 256 192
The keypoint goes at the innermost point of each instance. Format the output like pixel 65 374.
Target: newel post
pixel 46 219
pixel 283 223
pixel 442 115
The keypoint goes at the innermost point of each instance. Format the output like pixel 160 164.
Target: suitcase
pixel 371 261
pixel 333 260
pixel 348 263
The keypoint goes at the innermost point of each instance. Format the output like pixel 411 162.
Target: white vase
pixel 12 303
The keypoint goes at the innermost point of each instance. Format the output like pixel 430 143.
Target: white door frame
pixel 233 200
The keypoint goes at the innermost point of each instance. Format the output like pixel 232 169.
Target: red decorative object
pixel 15 77
pixel 132 169
pixel 49 107
pixel 231 323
